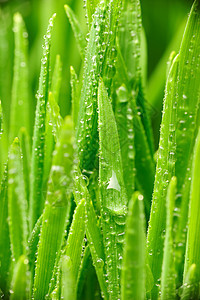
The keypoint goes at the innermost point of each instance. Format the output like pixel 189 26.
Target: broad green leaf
pixel 193 236
pixel 17 202
pixel 5 254
pixel 112 192
pixel 133 267
pixel 19 114
pixel 168 287
pixel 189 290
pixel 37 161
pixel 56 211
pixel 80 38
pixel 75 95
pixel 75 242
pixel 164 172
pixel 19 283
pixel 57 78
pixel 68 280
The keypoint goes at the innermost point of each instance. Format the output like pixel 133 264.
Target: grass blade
pixel 37 161
pixel 19 284
pixel 75 96
pixel 80 38
pixel 75 242
pixel 133 268
pixel 90 8
pixel 19 115
pixel 93 232
pixel 5 253
pixel 168 287
pixel 164 172
pixel 193 237
pixel 56 211
pixel 68 281
pixel 190 288
pixel 112 192
pixel 57 79
pixel 87 135
pixel 17 203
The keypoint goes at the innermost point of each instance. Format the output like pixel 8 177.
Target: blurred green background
pixel 163 21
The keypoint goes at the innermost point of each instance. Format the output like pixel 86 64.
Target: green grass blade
pixel 188 93
pixel 37 161
pixel 190 288
pixel 93 232
pixel 75 95
pixel 90 8
pixel 26 154
pixel 17 202
pixel 56 210
pixel 133 268
pixel 55 117
pixel 19 115
pixel 5 253
pixel 112 192
pixel 168 287
pixel 19 284
pixel 193 237
pixel 87 135
pixel 75 241
pixel 57 79
pixel 164 172
pixel 80 38
pixel 187 120
pixel 68 280
pixel 130 37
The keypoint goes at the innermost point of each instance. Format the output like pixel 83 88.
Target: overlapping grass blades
pixel 37 161
pixel 74 213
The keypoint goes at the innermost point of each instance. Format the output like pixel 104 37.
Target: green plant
pixel 91 211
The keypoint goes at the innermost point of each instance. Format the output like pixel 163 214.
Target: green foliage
pixel 80 193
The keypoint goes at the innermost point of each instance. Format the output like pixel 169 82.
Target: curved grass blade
pixel 33 241
pixel 112 192
pixel 133 267
pixel 80 38
pixel 57 79
pixel 5 253
pixel 168 287
pixel 164 172
pixel 37 161
pixel 56 211
pixel 17 202
pixel 193 236
pixel 19 283
pixel 19 114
